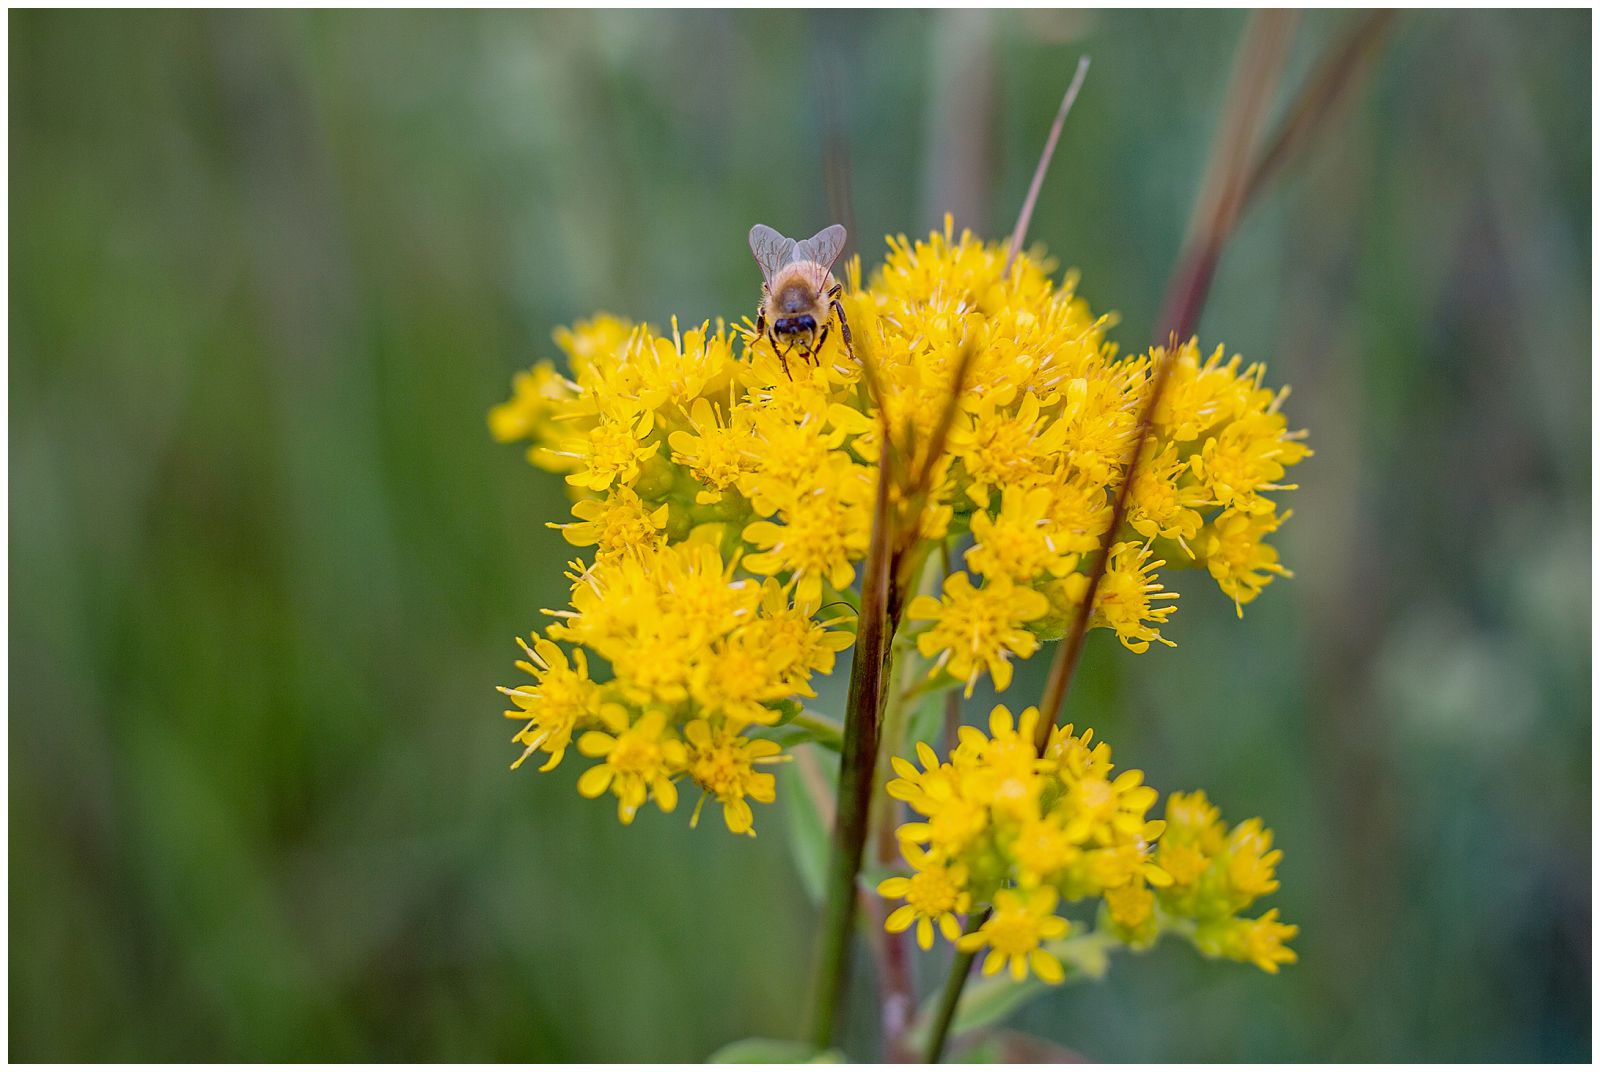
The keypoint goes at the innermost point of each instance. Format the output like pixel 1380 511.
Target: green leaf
pixel 803 819
pixel 803 727
pixel 788 711
pixel 760 1051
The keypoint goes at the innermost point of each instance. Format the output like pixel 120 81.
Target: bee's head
pixel 795 325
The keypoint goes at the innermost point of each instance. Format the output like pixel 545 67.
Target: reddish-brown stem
pixel 899 1000
pixel 1066 661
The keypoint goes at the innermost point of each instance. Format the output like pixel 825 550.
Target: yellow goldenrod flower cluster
pixel 698 656
pixel 725 505
pixel 1003 826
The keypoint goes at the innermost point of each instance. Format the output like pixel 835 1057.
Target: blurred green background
pixel 268 272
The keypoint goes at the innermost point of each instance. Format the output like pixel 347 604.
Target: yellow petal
pixel 900 919
pixel 1047 967
pixel 594 744
pixel 594 781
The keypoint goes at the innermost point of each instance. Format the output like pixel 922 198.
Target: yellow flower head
pixel 934 893
pixel 1130 906
pixel 1251 862
pixel 1078 512
pixel 1247 458
pixel 1003 449
pixel 561 700
pixel 1019 543
pixel 640 761
pixel 1200 394
pixel 717 454
pixel 723 764
pixel 617 524
pixel 1131 600
pixel 1110 812
pixel 1194 837
pixel 977 629
pixel 1005 765
pixel 811 645
pixel 1262 942
pixel 1166 500
pixel 740 678
pixel 1043 849
pixel 1078 756
pixel 1099 420
pixel 654 615
pixel 677 371
pixel 790 456
pixel 822 536
pixel 1238 557
pixel 956 817
pixel 925 790
pixel 1013 934
pixel 1255 941
pixel 610 452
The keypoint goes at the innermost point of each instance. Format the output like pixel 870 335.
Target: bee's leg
pixel 822 337
pixel 783 355
pixel 844 325
pixel 761 318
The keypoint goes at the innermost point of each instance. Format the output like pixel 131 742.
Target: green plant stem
pixel 954 983
pixel 857 763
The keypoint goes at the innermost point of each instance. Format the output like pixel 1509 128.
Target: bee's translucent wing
pixel 823 247
pixel 771 249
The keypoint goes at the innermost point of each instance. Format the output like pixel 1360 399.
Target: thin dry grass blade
pixel 1025 217
pixel 1313 108
pixel 1256 74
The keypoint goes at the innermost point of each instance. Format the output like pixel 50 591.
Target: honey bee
pixel 799 295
